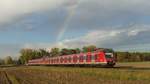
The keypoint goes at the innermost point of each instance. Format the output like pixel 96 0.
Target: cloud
pixel 131 38
pixel 96 13
pixel 117 38
pixel 91 13
pixel 112 7
pixel 88 11
pixel 11 10
pixel 119 24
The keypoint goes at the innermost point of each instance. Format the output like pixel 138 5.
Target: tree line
pixel 7 60
pixel 28 54
pixel 132 56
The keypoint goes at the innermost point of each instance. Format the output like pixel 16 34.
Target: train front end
pixel 110 57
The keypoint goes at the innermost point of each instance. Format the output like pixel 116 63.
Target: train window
pixel 65 59
pixel 57 60
pixel 84 57
pixel 96 57
pixel 93 57
pixel 78 57
pixel 108 56
pixel 81 58
pixel 69 59
pixel 75 58
pixel 88 57
pixel 50 61
pixel 53 61
pixel 108 51
pixel 61 59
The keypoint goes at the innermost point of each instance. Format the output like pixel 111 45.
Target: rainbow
pixel 64 26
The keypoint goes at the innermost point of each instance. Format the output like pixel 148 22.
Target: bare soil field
pixel 122 73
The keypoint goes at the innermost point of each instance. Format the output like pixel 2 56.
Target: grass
pixel 123 73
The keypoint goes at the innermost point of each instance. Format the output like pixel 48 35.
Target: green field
pixel 122 73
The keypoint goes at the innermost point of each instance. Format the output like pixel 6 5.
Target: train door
pixel 69 59
pixel 88 57
pixel 75 58
pixel 65 60
pixel 61 60
pixel 81 58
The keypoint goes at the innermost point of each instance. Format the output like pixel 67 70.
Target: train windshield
pixel 109 53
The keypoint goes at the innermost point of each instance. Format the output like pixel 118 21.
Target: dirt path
pixel 4 78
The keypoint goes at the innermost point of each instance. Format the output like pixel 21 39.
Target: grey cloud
pixel 133 38
pixel 10 10
pixel 114 38
pixel 111 23
pixel 96 13
pixel 89 13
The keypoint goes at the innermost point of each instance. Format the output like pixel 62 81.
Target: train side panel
pixel 75 59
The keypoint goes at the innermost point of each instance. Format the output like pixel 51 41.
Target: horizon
pixel 123 25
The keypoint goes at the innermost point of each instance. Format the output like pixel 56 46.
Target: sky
pixel 123 25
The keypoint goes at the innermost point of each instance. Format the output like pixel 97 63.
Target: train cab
pixel 109 56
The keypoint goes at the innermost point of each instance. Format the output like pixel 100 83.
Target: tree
pixel 89 48
pixel 74 51
pixel 78 50
pixel 26 54
pixel 8 60
pixel 1 62
pixel 65 51
pixel 21 60
pixel 55 52
pixel 29 54
pixel 43 52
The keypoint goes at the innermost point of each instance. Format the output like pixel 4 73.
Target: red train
pixel 100 57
